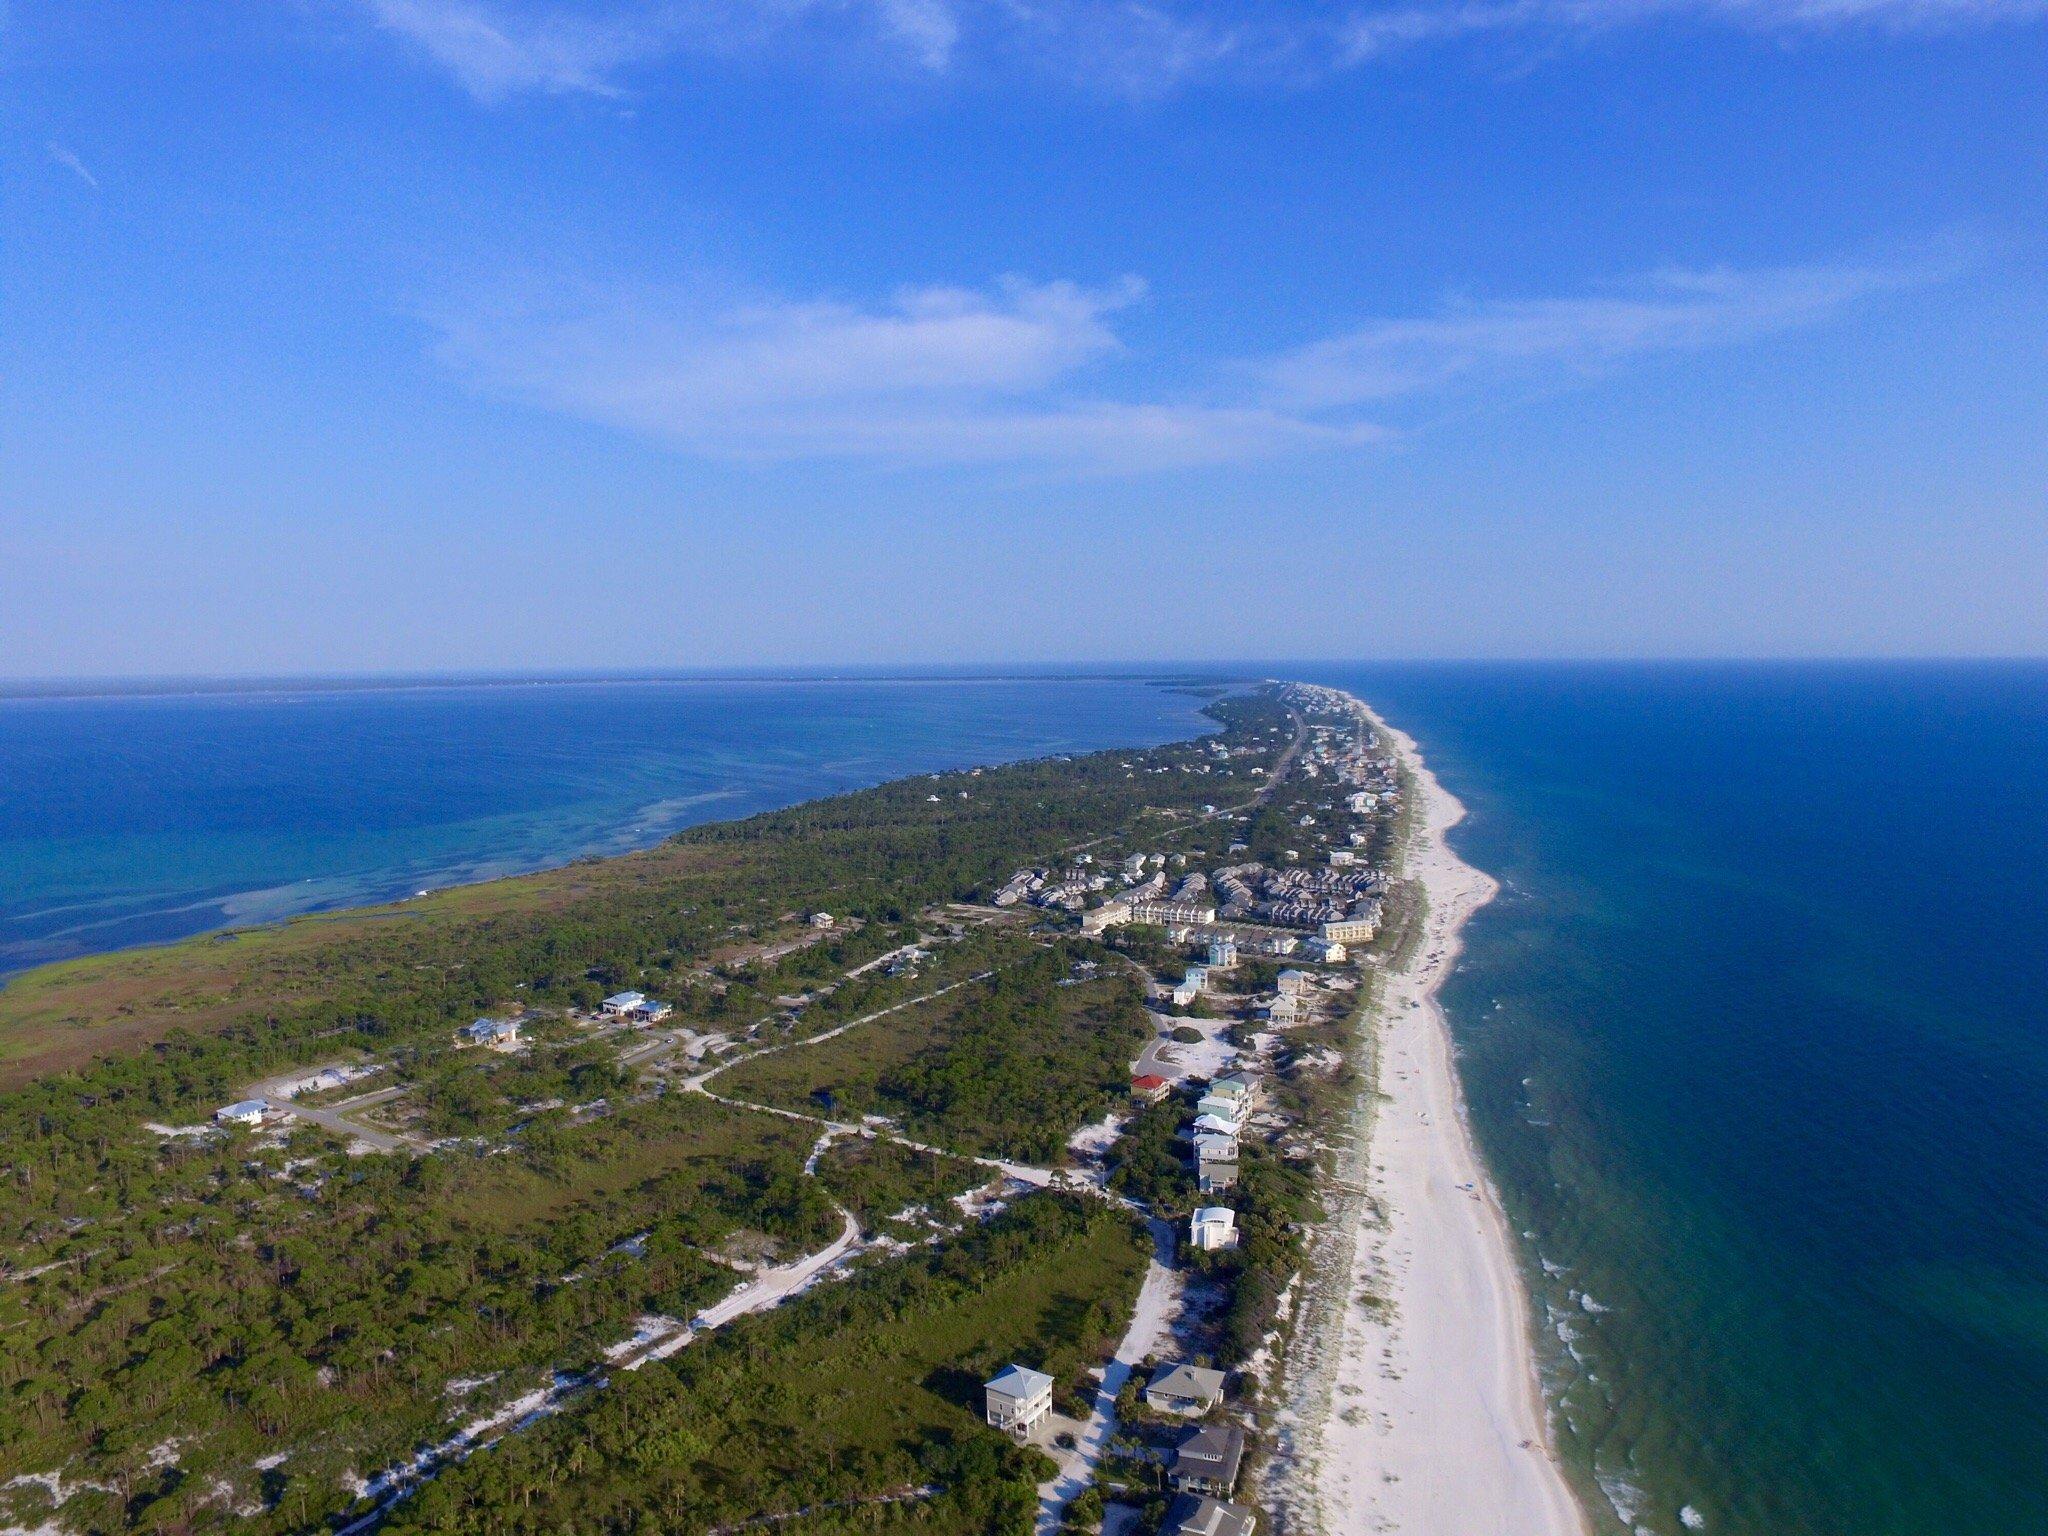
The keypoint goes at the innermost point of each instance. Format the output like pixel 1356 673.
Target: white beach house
pixel 247 1112
pixel 1017 1399
pixel 1220 1146
pixel 1213 1228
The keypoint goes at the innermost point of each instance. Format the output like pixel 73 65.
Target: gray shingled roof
pixel 1195 1515
pixel 1186 1381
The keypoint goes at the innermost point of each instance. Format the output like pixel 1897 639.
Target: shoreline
pixel 225 901
pixel 1411 1398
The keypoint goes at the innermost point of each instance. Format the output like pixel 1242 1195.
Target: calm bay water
pixel 128 820
pixel 1757 1044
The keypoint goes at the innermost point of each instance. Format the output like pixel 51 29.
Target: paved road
pixel 334 1117
pixel 1286 759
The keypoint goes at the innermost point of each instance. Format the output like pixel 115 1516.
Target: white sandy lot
pixel 1434 1423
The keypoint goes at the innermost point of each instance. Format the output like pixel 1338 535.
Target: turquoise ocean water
pixel 136 819
pixel 1756 1042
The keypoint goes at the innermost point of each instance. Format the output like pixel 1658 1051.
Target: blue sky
pixel 408 334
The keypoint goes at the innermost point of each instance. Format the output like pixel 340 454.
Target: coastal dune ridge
pixel 1410 1400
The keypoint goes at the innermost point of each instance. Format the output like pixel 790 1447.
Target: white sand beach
pixel 1420 1412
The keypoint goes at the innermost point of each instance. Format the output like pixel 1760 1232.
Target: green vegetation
pixel 866 1389
pixel 245 1306
pixel 1006 1067
pixel 653 920
pixel 879 1181
pixel 173 1308
pixel 1149 1162
pixel 1275 1202
pixel 483 1093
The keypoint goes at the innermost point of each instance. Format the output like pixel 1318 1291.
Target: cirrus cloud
pixel 932 375
pixel 1010 374
pixel 495 49
pixel 1581 336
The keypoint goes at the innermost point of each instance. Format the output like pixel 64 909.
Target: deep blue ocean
pixel 135 819
pixel 1756 1043
pixel 1756 1040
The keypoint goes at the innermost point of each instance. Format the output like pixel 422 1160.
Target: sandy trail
pixel 1151 1317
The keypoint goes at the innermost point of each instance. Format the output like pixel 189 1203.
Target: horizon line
pixel 1164 672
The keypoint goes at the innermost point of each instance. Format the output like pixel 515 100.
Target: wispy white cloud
pixel 500 48
pixel 495 51
pixel 1577 337
pixel 1375 31
pixel 71 162
pixel 1011 374
pixel 935 375
pixel 929 29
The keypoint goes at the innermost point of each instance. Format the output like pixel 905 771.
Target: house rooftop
pixel 1020 1382
pixel 1214 1451
pixel 1186 1381
pixel 1194 1515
